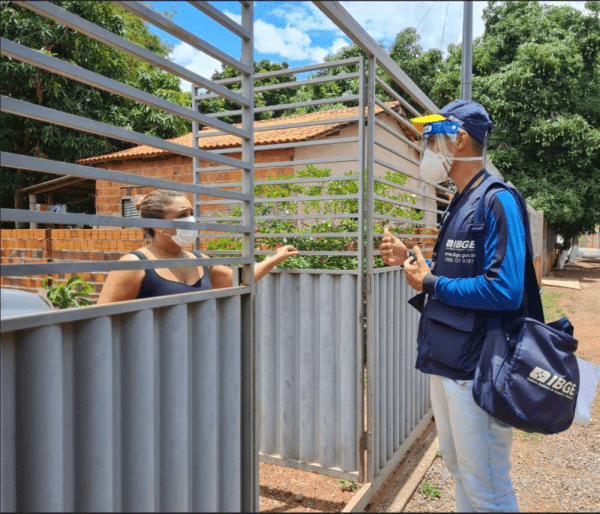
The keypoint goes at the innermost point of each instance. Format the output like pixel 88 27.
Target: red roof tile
pixel 275 136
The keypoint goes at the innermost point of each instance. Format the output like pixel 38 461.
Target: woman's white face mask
pixel 185 237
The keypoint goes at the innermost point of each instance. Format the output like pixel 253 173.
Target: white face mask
pixel 185 237
pixel 435 166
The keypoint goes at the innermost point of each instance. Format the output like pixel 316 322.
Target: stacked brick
pixel 22 246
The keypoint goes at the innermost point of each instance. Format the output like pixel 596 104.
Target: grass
pixel 535 437
pixel 348 485
pixel 552 310
pixel 429 490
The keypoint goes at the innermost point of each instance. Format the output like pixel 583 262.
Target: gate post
pixel 250 494
pixel 369 142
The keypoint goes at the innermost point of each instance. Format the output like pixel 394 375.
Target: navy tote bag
pixel 527 375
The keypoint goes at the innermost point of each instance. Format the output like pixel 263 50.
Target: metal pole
pixel 467 55
pixel 372 464
pixel 249 444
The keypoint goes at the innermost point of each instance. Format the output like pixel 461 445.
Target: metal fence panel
pixel 401 391
pixel 125 412
pixel 307 331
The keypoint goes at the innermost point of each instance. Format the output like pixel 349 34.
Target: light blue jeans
pixel 475 448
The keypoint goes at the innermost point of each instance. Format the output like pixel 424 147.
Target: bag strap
pixel 532 302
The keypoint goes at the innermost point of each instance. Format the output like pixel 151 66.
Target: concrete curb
pixel 403 478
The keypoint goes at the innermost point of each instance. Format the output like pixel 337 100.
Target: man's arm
pixel 501 286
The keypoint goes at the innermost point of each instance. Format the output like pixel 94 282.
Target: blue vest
pixel 450 338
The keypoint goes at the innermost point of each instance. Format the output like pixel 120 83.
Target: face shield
pixel 436 136
pixel 437 151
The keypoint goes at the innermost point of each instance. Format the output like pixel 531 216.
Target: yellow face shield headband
pixel 420 122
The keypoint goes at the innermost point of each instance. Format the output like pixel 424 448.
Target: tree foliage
pixel 25 82
pixel 261 99
pixel 537 71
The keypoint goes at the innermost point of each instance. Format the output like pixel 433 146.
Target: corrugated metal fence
pixel 143 405
pixel 311 368
pixel 110 409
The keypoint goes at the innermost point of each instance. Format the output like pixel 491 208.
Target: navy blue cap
pixel 470 116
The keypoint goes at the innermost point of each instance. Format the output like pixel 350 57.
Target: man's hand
pixel 416 270
pixel 393 251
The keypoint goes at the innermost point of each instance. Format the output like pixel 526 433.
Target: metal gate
pixel 314 379
pixel 143 405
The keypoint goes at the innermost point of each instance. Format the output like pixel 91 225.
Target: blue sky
pixel 300 34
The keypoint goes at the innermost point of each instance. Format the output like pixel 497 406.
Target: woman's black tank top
pixel 155 285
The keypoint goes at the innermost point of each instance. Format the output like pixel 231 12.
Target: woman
pixel 122 285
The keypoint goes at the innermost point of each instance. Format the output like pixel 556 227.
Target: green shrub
pixel 68 294
pixel 324 207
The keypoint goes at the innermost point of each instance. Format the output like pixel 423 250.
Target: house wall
pixel 176 169
pixel 345 149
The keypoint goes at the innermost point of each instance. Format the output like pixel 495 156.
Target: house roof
pixel 275 136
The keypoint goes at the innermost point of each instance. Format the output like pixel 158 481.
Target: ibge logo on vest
pixel 554 383
pixel 460 251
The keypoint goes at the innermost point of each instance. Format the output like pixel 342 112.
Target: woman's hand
pixel 284 252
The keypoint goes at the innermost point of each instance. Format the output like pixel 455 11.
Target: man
pixel 477 271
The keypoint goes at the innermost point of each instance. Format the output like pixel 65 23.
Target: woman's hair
pixel 155 205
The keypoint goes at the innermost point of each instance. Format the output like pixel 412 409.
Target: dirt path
pixel 559 473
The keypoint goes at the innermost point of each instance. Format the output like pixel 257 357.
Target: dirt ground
pixel 559 473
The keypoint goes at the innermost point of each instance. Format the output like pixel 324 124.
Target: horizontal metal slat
pixel 396 96
pixel 97 311
pixel 310 103
pixel 48 10
pixel 116 221
pixel 37 112
pixel 298 83
pixel 12 160
pixel 49 268
pixel 221 18
pixel 290 71
pixel 411 190
pixel 405 204
pixel 384 146
pixel 168 26
pixel 54 65
pixel 303 162
pixel 399 220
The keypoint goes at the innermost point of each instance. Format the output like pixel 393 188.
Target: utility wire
pixel 444 29
pixel 432 4
pixel 462 8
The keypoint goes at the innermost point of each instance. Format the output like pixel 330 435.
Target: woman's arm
pixel 222 276
pixel 122 285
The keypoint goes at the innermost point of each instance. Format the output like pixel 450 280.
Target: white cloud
pixel 235 17
pixel 194 60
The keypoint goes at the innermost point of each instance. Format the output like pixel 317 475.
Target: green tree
pixel 421 67
pixel 261 99
pixel 537 71
pixel 25 82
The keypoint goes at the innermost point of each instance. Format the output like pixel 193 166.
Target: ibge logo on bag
pixel 554 383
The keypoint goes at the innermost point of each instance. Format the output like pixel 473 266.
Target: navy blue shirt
pixel 155 285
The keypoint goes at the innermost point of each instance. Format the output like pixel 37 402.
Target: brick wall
pixel 177 169
pixel 59 245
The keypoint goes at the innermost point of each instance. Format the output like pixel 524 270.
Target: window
pixel 128 209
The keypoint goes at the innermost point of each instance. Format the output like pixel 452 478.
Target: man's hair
pixel 155 205
pixel 478 146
